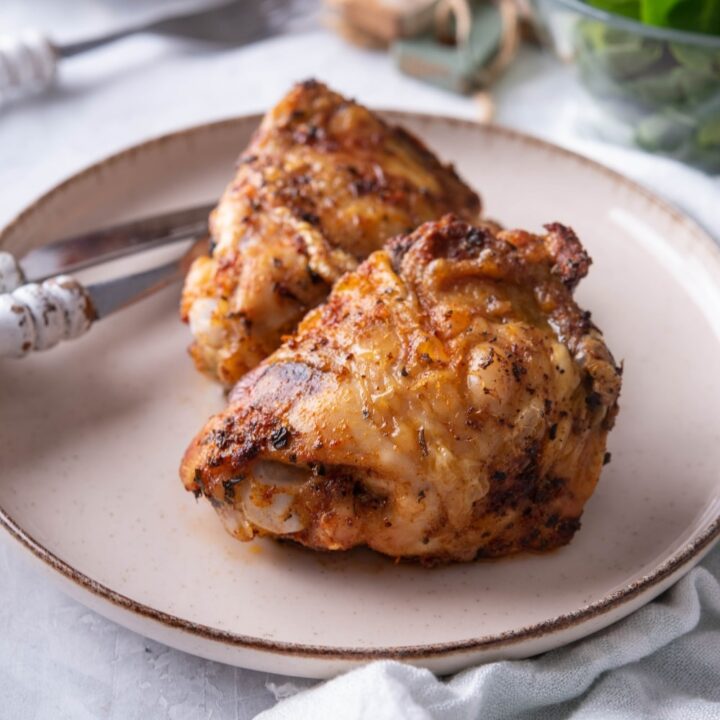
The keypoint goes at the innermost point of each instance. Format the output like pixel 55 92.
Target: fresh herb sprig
pixel 702 16
pixel 667 92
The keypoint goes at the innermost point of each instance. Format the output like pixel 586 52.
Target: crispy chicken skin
pixel 323 184
pixel 448 401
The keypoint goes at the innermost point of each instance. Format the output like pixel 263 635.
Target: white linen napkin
pixel 662 662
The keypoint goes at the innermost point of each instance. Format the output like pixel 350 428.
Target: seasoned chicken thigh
pixel 323 184
pixel 448 401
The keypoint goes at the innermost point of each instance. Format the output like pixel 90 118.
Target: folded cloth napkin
pixel 661 662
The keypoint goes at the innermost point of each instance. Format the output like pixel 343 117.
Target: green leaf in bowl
pixel 708 118
pixel 705 61
pixel 619 53
pixel 701 16
pixel 665 132
pixel 697 88
pixel 627 8
pixel 676 87
pixel 708 134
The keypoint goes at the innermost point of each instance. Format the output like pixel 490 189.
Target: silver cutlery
pixel 41 304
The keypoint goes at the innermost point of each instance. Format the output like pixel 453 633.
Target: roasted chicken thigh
pixel 448 401
pixel 324 183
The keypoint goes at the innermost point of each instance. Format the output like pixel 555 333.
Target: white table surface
pixel 58 659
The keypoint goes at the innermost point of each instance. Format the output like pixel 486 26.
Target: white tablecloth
pixel 57 659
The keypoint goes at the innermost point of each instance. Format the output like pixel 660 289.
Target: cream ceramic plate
pixel 91 434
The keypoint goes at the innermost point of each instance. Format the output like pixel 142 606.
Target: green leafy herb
pixel 704 61
pixel 666 93
pixel 701 16
pixel 623 55
pixel 709 134
pixel 676 87
pixel 628 8
pixel 666 132
pixel 692 15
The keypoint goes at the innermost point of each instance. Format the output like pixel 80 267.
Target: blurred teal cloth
pixel 662 662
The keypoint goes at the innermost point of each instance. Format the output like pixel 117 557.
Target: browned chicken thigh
pixel 448 401
pixel 323 184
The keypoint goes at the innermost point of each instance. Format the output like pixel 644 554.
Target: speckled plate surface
pixel 91 434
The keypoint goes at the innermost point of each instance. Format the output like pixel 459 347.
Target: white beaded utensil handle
pixel 37 316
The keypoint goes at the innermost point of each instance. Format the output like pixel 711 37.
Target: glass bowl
pixel 656 88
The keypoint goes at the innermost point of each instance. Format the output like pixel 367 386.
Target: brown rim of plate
pixel 672 566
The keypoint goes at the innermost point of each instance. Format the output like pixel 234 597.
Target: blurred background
pixel 81 79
